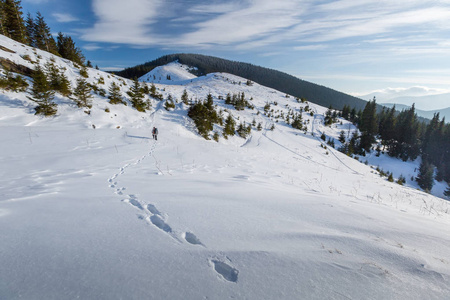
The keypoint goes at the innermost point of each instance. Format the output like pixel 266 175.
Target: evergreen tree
pixel 391 178
pixel 259 127
pixel 342 138
pixel 345 112
pixel 12 21
pixel 84 71
pixel 425 178
pixel 387 125
pixel 67 49
pixel 242 130
pixel 368 125
pixel 230 125
pixel 115 96
pixel 42 35
pixel 185 97
pixel 30 28
pixel 13 83
pixel 42 94
pixel 58 80
pixel 297 123
pixel 137 96
pixel 447 191
pixel 82 93
pixel 204 117
pixel 154 94
pixel 169 104
pixel 432 143
pixel 407 135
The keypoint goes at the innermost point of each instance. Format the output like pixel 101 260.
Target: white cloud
pixel 310 47
pixel 64 18
pixel 254 24
pixel 413 91
pixel 91 47
pixel 124 22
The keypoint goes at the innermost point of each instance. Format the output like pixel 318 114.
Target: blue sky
pixel 352 46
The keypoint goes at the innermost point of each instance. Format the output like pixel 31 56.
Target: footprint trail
pixel 153 216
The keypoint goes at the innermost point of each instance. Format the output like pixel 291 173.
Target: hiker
pixel 155 133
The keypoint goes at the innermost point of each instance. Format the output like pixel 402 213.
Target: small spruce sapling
pixel 82 93
pixel 42 94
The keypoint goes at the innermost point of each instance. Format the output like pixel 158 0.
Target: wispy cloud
pixel 124 22
pixel 91 47
pixel 64 18
pixel 257 23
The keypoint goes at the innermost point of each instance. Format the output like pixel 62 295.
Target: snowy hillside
pixel 91 207
pixel 172 73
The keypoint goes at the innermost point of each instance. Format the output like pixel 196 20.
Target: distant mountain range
pixel 428 114
pixel 422 100
pixel 202 64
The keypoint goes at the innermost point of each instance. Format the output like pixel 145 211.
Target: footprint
pixel 191 238
pixel 151 208
pixel 228 272
pixel 158 222
pixel 135 203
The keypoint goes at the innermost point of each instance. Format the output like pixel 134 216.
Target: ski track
pixel 152 215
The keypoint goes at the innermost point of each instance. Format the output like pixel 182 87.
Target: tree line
pixel 35 32
pixel 402 135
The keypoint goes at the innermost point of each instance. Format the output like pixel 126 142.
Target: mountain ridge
pixel 278 80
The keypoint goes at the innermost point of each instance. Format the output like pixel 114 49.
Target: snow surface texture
pixel 109 213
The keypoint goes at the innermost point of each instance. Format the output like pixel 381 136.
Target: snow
pixel 109 213
pixel 172 73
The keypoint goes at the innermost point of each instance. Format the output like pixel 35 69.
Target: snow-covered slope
pixel 109 213
pixel 172 73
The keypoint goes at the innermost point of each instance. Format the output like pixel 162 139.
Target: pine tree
pixel 58 80
pixel 297 123
pixel 42 94
pixel 201 115
pixel 115 96
pixel 342 138
pixel 242 130
pixel 12 21
pixel 13 83
pixel 169 104
pixel 447 191
pixel 82 93
pixel 42 35
pixel 368 125
pixel 67 49
pixel 137 96
pixel 391 178
pixel 185 97
pixel 30 28
pixel 407 135
pixel 229 127
pixel 425 178
pixel 84 71
pixel 386 127
pixel 259 127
